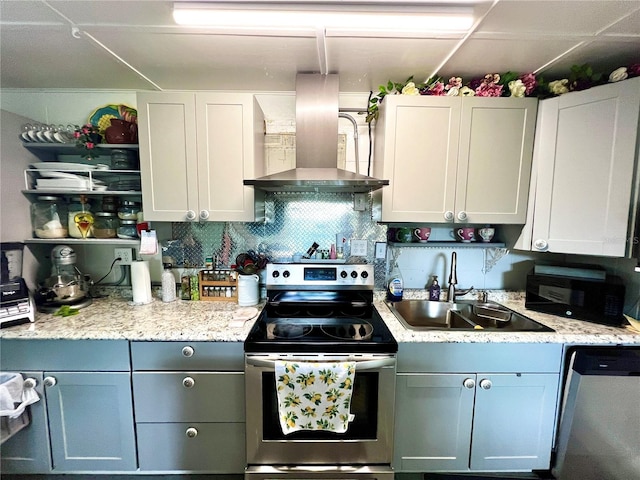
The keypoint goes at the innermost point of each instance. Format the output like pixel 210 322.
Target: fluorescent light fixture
pixel 375 17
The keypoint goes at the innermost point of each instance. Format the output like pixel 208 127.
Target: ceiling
pixel 136 45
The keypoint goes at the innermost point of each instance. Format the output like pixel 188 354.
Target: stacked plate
pixel 56 180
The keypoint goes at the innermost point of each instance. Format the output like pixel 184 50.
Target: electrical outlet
pixel 124 254
pixel 381 250
pixel 359 202
pixel 358 248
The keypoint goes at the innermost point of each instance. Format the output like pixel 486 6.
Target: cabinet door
pixel 433 422
pixel 513 423
pixel 230 149
pixel 28 450
pixel 91 421
pixel 417 150
pixel 584 164
pixel 494 165
pixel 168 157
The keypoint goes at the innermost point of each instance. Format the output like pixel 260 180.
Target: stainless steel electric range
pixel 321 313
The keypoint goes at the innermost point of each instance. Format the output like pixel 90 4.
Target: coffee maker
pixel 66 285
pixel 16 303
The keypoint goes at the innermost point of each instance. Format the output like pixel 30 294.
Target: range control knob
pixel 364 274
pixel 275 274
pixel 354 274
pixel 286 274
pixel 343 274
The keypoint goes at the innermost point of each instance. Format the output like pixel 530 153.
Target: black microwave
pixel 599 301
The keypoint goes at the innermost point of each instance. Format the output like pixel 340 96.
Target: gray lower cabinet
pixel 84 420
pixel 476 407
pixel 189 406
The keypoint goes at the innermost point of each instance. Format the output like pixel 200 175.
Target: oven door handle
pixel 361 365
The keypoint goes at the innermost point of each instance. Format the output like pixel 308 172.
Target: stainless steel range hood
pixel 317 145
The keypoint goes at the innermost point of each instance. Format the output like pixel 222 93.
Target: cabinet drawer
pixel 65 355
pixel 486 357
pixel 221 356
pixel 167 396
pixel 216 447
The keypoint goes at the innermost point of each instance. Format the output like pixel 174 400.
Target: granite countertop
pixel 115 317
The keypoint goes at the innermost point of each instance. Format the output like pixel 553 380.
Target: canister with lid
pixel 106 225
pixel 49 217
pixel 127 229
pixel 128 210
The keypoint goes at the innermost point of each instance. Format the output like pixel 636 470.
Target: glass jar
pixel 110 204
pixel 106 225
pixel 84 227
pixel 127 229
pixel 128 210
pixel 49 217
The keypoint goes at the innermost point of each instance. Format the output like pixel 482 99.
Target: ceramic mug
pixel 465 234
pixel 421 234
pixel 404 235
pixel 391 234
pixel 486 233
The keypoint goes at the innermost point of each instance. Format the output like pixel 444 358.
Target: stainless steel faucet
pixel 453 281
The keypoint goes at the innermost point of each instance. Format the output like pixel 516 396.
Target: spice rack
pixel 218 285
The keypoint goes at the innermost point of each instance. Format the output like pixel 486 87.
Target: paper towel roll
pixel 141 282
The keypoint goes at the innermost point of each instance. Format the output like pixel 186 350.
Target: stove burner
pixel 287 330
pixel 346 329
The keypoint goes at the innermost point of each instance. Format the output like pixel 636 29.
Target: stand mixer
pixel 66 285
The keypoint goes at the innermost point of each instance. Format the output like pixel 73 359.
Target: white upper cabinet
pixel 452 159
pixel 583 172
pixel 195 151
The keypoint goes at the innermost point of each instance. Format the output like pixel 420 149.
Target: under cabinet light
pixel 309 17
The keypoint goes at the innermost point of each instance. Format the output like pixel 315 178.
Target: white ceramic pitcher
pixel 248 290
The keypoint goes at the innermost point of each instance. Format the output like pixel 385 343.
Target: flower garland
pixel 509 84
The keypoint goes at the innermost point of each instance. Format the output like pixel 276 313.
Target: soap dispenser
pixel 434 290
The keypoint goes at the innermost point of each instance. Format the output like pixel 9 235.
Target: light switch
pixel 381 250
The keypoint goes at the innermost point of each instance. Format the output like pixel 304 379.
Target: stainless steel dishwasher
pixel 599 433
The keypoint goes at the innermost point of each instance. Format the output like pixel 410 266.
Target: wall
pixel 417 264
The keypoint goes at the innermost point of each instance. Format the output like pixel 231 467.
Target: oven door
pixel 367 441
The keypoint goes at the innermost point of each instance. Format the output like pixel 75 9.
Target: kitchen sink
pixel 462 315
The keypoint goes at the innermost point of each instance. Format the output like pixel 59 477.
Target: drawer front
pixel 65 355
pixel 188 396
pixel 215 448
pixel 221 356
pixel 479 357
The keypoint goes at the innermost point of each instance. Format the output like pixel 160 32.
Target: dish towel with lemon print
pixel 314 396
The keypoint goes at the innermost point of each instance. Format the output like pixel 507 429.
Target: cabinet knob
pixel 192 432
pixel 469 383
pixel 49 381
pixel 188 382
pixel 188 351
pixel 448 216
pixel 462 216
pixel 191 215
pixel 30 383
pixel 485 384
pixel 204 214
pixel 540 244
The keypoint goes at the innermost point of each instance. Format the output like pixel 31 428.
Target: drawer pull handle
pixel 188 382
pixel 448 216
pixel 191 215
pixel 485 384
pixel 49 381
pixel 469 383
pixel 188 351
pixel 30 383
pixel 191 432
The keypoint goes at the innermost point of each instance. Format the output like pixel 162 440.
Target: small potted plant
pixel 87 137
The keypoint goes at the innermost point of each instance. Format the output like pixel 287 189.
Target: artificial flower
pixel 618 75
pixel 453 92
pixel 86 137
pixel 529 81
pixel 436 89
pixel 410 89
pixel 634 70
pixel 454 82
pixel 559 87
pixel 467 92
pixel 517 88
pixel 489 86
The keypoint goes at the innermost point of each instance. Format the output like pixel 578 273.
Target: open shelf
pixel 84 241
pixel 449 244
